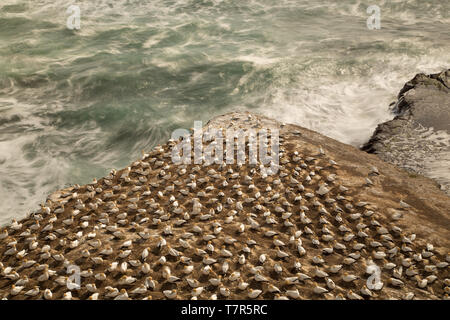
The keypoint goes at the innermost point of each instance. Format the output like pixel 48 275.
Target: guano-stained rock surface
pixel 156 230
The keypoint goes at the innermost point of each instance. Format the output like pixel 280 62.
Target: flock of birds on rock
pixel 156 230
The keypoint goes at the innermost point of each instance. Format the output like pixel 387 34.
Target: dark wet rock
pixel 418 138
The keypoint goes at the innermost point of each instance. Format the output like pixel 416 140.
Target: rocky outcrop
pixel 418 138
pixel 312 230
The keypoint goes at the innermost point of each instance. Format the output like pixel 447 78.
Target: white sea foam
pixel 347 108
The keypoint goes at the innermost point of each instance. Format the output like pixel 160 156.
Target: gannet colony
pixel 332 223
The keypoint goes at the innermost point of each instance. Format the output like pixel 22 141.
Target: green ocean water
pixel 76 103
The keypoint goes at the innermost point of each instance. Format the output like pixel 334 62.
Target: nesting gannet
pixel 197 291
pixel 421 283
pixel 139 290
pixel 225 291
pixel 91 287
pixel 4 234
pixel 396 282
pixel 319 290
pixel 295 294
pixel 193 282
pixel 33 292
pixel 330 284
pixel 242 285
pixel 234 276
pixel 365 291
pixel 48 294
pixel 353 296
pixel 15 290
pixel 67 295
pixel 273 289
pixel 127 280
pixel 260 278
pixel 320 273
pixel 318 260
pixel 123 295
pixel 252 294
